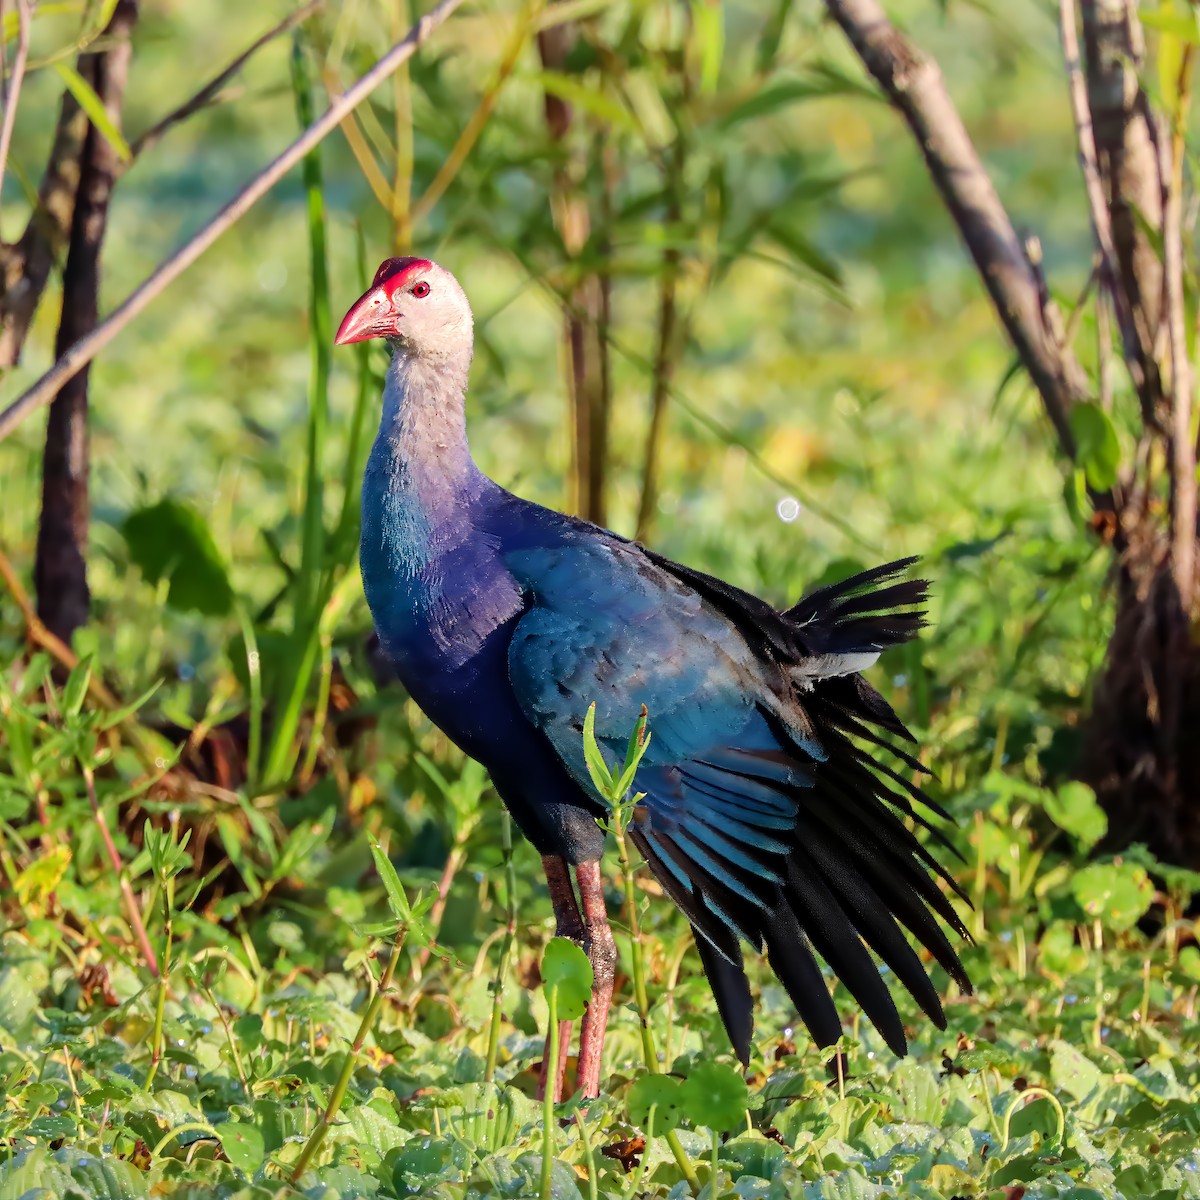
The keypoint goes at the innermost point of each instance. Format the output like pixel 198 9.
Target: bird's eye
pixel 420 290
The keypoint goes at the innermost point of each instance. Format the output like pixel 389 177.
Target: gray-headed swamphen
pixel 769 817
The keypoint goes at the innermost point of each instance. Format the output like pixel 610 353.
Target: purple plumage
pixel 769 817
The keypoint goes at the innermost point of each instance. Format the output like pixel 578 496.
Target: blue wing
pixel 761 819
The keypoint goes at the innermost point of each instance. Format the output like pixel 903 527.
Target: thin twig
pixel 135 917
pixel 41 392
pixel 1101 218
pixel 13 91
pixel 208 92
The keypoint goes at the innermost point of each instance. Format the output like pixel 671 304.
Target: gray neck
pixel 423 429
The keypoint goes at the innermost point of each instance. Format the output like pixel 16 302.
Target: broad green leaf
pixel 566 969
pixel 1189 962
pixel 243 1145
pixel 1185 26
pixel 1116 894
pixel 1059 952
pixel 664 1094
pixel 1074 1073
pixel 34 884
pixel 1073 808
pixel 716 1095
pixel 91 104
pixel 171 540
pixel 1097 449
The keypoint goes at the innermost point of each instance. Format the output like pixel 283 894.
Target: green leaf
pixel 565 969
pixel 775 96
pixel 75 690
pixel 1073 808
pixel 91 104
pixel 1073 1073
pixel 396 898
pixel 1097 449
pixel 716 1095
pixel 243 1145
pixel 1117 894
pixel 597 767
pixel 171 540
pixel 664 1094
pixel 639 743
pixel 709 31
pixel 1059 952
pixel 1184 26
pixel 1189 962
pixel 589 100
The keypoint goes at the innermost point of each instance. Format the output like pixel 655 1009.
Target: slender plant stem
pixel 640 994
pixel 478 119
pixel 156 1040
pixel 12 95
pixel 321 713
pixel 208 93
pixel 343 1081
pixel 510 931
pixel 229 1038
pixel 548 1099
pixel 402 175
pixel 83 351
pixel 135 917
pixel 454 862
pixel 589 1154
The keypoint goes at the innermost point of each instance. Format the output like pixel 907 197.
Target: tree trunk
pixel 1141 749
pixel 60 566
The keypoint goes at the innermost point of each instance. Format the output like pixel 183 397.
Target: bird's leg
pixel 602 954
pixel 568 924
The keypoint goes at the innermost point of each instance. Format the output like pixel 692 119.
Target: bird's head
pixel 414 304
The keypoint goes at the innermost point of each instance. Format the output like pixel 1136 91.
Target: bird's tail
pixel 858 873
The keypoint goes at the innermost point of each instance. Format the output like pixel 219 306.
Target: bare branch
pixel 83 351
pixel 1124 129
pixel 1111 275
pixel 13 91
pixel 208 93
pixel 916 89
